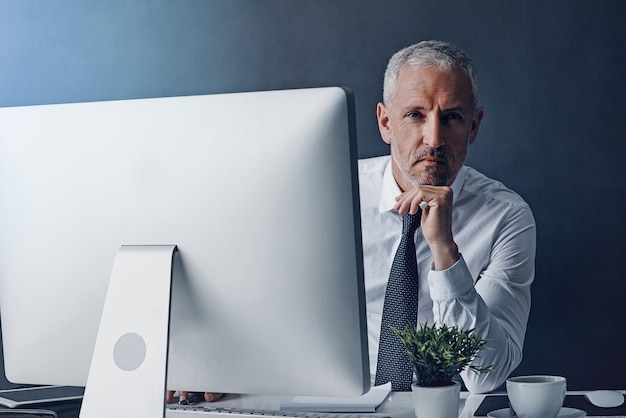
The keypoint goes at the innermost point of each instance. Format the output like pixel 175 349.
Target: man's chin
pixel 432 175
pixel 433 179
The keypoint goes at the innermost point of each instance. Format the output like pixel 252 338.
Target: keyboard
pixel 182 411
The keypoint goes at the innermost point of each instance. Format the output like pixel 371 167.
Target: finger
pixel 182 395
pixel 212 397
pixel 403 204
pixel 409 204
pixel 401 208
pixel 169 396
pixel 417 204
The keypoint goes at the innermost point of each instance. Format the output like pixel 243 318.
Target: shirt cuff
pixel 450 283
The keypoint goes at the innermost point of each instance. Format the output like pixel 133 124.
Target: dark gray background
pixel 552 85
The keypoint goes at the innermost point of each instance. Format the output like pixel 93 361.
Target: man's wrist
pixel 444 256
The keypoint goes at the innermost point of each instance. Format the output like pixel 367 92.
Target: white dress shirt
pixel 487 289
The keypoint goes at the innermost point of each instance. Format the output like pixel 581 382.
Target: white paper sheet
pixel 367 402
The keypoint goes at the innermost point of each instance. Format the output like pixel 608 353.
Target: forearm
pixel 444 255
pixel 456 301
pixel 503 353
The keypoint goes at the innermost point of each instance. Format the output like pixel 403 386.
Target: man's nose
pixel 433 133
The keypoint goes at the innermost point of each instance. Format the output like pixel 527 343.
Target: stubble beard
pixel 433 176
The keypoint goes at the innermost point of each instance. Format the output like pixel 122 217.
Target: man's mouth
pixel 432 161
pixel 432 158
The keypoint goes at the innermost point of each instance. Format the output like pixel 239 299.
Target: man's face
pixel 429 123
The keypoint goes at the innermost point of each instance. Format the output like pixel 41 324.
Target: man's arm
pixel 497 303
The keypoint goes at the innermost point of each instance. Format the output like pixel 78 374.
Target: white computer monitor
pixel 258 193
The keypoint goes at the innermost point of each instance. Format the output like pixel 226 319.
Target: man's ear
pixel 383 122
pixel 476 119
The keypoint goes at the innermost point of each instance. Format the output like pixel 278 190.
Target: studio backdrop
pixel 551 82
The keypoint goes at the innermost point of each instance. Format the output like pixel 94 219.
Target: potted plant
pixel 438 355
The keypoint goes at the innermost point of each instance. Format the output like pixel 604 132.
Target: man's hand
pixel 436 204
pixel 183 395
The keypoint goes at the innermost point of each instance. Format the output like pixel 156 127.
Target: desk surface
pixel 398 405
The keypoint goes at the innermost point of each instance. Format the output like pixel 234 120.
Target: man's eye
pixel 453 117
pixel 414 115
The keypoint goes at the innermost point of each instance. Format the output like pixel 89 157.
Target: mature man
pixel 475 246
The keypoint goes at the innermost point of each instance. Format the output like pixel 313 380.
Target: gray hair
pixel 441 55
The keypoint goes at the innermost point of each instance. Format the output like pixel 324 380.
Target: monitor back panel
pixel 257 190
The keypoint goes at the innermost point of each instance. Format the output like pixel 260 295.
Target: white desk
pixel 398 405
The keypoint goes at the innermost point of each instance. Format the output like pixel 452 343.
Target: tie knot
pixel 410 223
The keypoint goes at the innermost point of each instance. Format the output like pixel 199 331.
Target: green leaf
pixel 438 354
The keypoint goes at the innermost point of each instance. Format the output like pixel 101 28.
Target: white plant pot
pixel 436 402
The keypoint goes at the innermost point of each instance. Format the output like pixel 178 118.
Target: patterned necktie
pixel 399 310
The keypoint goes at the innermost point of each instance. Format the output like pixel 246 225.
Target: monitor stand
pixel 128 372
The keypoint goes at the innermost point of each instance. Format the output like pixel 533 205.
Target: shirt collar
pixel 391 189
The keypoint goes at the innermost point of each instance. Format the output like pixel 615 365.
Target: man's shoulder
pixel 373 165
pixel 478 184
pixel 371 179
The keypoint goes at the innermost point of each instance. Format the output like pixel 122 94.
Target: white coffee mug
pixel 536 396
